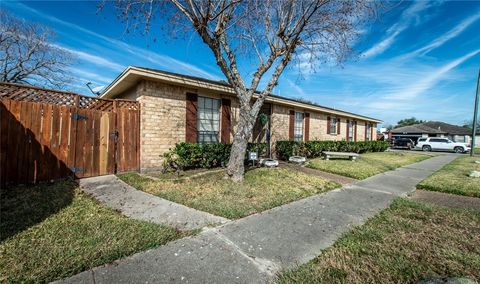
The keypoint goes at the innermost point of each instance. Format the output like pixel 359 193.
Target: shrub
pixel 184 156
pixel 313 149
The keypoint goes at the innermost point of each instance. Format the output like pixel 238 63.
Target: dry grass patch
pixel 182 174
pixel 408 242
pixel 54 231
pixel 368 164
pixel 454 178
pixel 262 189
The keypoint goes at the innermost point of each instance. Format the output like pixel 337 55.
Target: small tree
pixel 27 55
pixel 469 124
pixel 275 32
pixel 409 121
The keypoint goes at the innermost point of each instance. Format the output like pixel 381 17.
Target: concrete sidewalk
pixel 136 204
pixel 253 249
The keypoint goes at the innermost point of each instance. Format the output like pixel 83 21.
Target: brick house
pixel 178 108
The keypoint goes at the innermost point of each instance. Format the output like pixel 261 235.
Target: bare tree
pixel 27 55
pixel 272 32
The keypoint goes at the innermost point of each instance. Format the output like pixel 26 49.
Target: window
pixel 298 127
pixel 351 125
pixel 422 139
pixel 208 121
pixel 333 125
pixel 369 132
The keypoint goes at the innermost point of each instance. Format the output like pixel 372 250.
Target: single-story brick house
pixel 178 108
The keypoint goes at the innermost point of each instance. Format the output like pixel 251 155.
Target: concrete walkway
pixel 253 249
pixel 136 204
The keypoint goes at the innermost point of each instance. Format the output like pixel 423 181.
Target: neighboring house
pixel 434 129
pixel 178 108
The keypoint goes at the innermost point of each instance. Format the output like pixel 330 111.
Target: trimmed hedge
pixel 186 156
pixel 313 149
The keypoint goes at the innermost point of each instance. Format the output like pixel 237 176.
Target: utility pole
pixel 474 129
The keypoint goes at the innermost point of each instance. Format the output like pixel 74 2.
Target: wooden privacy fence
pixel 47 134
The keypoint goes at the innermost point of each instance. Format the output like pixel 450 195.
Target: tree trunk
pixel 236 166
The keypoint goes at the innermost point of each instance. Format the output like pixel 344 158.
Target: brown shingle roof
pixel 433 127
pixel 449 128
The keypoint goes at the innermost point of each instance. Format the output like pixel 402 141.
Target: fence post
pixel 115 141
pixel 73 138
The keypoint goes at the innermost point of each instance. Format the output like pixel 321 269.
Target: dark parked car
pixel 403 143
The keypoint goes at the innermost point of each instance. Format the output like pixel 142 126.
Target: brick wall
pixel 360 131
pixel 163 109
pixel 318 126
pixel 162 121
pixel 280 123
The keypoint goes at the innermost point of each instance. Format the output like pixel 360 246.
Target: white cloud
pixel 90 76
pixel 382 45
pixel 439 41
pixel 160 60
pixel 407 18
pixel 298 91
pixel 430 80
pixel 97 60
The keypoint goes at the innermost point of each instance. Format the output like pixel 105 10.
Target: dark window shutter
pixel 355 132
pixel 348 130
pixel 291 125
pixel 338 126
pixel 366 126
pixel 191 118
pixel 307 126
pixel 328 125
pixel 226 121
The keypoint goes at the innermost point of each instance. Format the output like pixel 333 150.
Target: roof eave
pixel 129 75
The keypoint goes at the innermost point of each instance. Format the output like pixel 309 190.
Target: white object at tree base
pixel 475 174
pixel 297 159
pixel 271 163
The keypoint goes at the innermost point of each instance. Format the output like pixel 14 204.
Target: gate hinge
pixel 76 170
pixel 77 116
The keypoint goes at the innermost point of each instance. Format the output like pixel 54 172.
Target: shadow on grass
pixel 22 207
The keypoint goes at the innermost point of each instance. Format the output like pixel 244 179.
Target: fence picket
pixel 45 137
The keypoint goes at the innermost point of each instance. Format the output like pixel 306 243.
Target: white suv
pixel 441 144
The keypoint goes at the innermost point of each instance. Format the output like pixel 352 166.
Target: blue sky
pixel 419 59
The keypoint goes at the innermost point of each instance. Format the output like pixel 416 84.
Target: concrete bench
pixel 327 155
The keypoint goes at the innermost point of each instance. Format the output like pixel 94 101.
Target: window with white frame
pixel 333 125
pixel 351 125
pixel 298 127
pixel 369 132
pixel 208 121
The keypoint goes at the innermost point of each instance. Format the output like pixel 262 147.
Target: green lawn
pixel 262 189
pixel 405 243
pixel 454 178
pixel 368 164
pixel 477 151
pixel 53 231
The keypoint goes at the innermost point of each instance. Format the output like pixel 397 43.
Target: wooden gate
pixel 48 135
